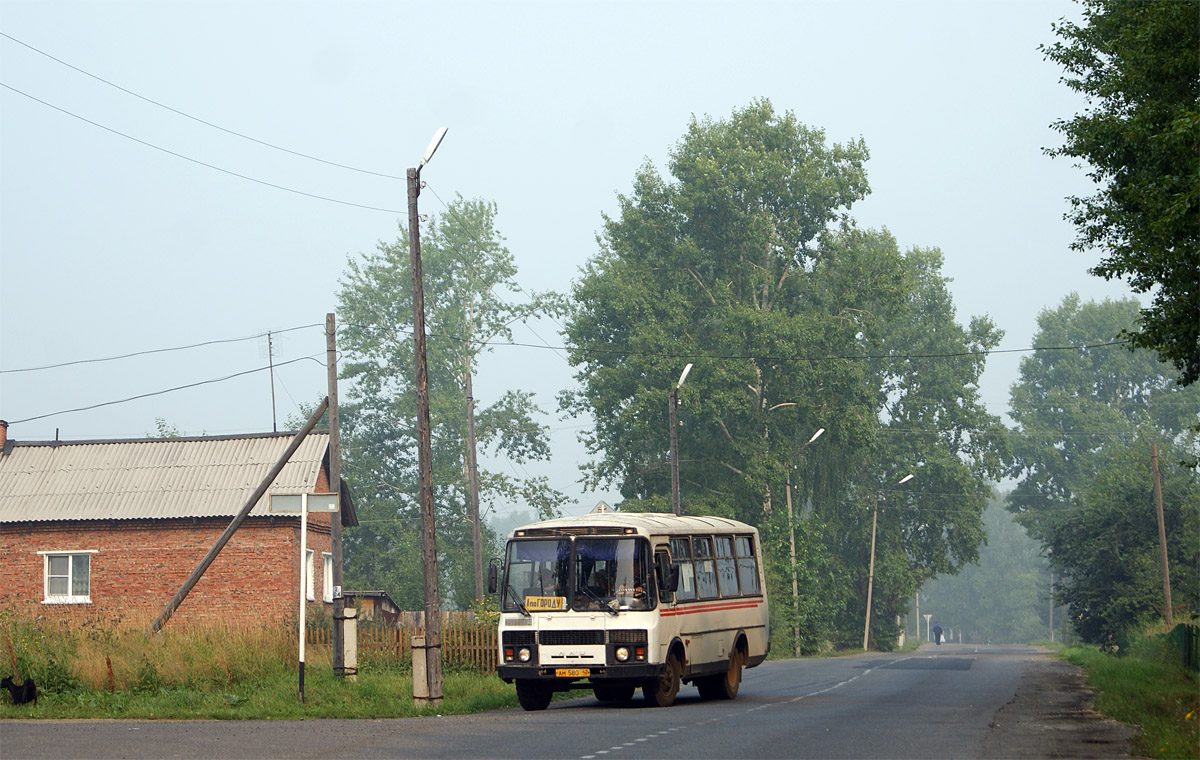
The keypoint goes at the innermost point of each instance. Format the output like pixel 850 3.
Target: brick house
pixel 110 529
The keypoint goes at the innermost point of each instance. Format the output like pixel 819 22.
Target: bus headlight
pixel 523 654
pixel 622 654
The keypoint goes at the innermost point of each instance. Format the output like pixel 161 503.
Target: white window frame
pixel 326 577
pixel 308 575
pixel 68 598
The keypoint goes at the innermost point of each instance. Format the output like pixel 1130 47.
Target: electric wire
pixel 155 350
pixel 199 162
pixel 169 390
pixel 195 118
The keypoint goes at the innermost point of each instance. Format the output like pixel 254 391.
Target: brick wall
pixel 138 565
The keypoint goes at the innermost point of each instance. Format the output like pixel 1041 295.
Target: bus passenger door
pixel 667 576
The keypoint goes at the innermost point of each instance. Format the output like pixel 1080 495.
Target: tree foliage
pixel 1106 542
pixel 465 267
pixel 1136 61
pixel 746 262
pixel 1085 420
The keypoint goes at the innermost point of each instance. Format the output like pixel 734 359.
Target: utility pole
pixel 1052 605
pixel 271 364
pixel 795 583
pixel 429 693
pixel 1162 535
pixel 335 487
pixel 918 616
pixel 473 486
pixel 871 572
pixel 674 402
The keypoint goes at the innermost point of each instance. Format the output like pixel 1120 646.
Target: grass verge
pixel 86 670
pixel 1160 698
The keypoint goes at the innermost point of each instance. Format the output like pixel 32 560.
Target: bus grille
pixel 627 637
pixel 571 638
pixel 518 638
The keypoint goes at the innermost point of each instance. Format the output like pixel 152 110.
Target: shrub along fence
pixel 1186 639
pixel 466 644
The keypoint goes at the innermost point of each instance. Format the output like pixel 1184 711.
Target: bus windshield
pixel 589 573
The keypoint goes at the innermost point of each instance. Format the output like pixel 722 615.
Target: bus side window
pixel 747 566
pixel 726 566
pixel 681 550
pixel 706 571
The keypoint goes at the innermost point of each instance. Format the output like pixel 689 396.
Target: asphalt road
pixel 950 701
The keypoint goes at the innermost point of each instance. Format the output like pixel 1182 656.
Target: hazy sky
pixel 109 246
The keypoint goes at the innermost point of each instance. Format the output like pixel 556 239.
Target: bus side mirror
pixel 493 577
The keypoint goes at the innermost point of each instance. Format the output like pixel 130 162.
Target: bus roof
pixel 648 523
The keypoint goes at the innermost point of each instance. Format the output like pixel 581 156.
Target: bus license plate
pixel 572 672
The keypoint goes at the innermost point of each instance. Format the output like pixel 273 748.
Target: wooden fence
pixel 466 647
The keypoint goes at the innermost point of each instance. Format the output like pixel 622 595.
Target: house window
pixel 308 575
pixel 67 577
pixel 326 577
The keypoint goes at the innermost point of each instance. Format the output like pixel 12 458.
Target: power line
pixel 168 390
pixel 154 350
pixel 197 161
pixel 726 357
pixel 197 119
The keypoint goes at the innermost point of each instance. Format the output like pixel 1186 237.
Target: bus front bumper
pixel 566 675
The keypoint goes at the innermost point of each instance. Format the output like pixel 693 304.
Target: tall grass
pixel 84 668
pixel 1147 688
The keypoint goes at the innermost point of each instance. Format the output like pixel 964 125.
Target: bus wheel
pixel 613 692
pixel 533 695
pixel 723 685
pixel 661 691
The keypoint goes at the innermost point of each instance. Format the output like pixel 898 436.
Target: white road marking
pixel 745 710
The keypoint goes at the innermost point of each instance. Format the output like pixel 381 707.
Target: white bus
pixel 615 601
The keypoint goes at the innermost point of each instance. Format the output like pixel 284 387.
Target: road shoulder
pixel 1051 715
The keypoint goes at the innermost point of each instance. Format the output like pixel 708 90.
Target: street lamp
pixel 792 546
pixel 430 692
pixel 675 441
pixel 871 570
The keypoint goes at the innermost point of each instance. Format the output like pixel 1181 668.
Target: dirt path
pixel 1051 716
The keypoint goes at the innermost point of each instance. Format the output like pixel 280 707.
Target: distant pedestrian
pixel 937 634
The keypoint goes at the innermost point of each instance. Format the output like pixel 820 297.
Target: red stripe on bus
pixel 721 607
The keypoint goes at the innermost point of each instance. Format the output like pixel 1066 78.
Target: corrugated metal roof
pixel 150 478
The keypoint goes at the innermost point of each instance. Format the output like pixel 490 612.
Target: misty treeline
pixel 744 261
pixel 1082 511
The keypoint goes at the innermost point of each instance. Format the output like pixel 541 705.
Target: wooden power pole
pixel 1162 535
pixel 335 486
pixel 432 641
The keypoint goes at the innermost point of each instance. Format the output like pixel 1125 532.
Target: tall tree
pixel 1136 62
pixel 746 263
pixel 1106 543
pixel 465 266
pixel 932 423
pixel 1086 415
pixel 717 266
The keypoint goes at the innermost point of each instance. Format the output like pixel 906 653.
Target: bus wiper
pixel 512 592
pixel 591 595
